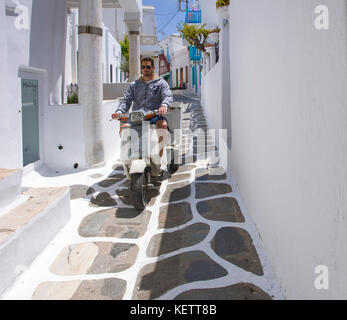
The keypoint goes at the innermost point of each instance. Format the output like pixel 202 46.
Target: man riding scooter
pixel 152 97
pixel 150 92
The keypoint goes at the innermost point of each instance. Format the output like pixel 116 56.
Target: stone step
pixel 27 229
pixel 10 186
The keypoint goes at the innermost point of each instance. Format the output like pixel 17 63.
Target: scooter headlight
pixel 136 117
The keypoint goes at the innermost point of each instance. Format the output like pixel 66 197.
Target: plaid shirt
pixel 146 96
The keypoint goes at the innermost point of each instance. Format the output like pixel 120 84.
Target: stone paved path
pixel 193 241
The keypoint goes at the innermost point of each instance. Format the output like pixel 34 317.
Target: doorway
pixel 111 73
pixel 30 121
pixel 181 77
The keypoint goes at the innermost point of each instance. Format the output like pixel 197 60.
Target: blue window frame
pixel 193 16
pixel 195 53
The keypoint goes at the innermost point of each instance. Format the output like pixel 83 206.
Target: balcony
pixel 195 54
pixel 164 69
pixel 193 16
pixel 164 65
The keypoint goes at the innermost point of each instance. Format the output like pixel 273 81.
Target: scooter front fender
pixel 137 166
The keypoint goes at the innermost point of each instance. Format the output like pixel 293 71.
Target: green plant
pixel 72 93
pixel 73 99
pixel 222 3
pixel 215 30
pixel 195 36
pixel 125 53
pixel 125 47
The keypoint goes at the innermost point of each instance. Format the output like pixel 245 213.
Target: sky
pixel 167 16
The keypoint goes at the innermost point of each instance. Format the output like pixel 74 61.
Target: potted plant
pixel 215 30
pixel 72 94
pixel 196 36
pixel 223 8
pixel 214 35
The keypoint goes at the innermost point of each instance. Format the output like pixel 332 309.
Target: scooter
pixel 140 154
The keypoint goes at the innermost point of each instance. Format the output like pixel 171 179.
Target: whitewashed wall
pixel 121 28
pixel 14 51
pixel 211 96
pixel 64 126
pixel 110 20
pixel 289 136
pixel 149 21
pixel 180 59
pixel 209 13
pixel 111 56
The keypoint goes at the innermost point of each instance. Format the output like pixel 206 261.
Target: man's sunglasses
pixel 146 67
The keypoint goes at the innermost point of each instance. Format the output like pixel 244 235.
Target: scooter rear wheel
pixel 139 190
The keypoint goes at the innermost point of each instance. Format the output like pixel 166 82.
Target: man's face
pixel 146 69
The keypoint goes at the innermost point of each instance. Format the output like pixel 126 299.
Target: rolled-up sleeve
pixel 127 100
pixel 166 95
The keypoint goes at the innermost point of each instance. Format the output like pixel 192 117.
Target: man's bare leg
pixel 162 132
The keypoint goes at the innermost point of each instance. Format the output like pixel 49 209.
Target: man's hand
pixel 162 110
pixel 116 115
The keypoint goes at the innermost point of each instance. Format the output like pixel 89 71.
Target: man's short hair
pixel 148 59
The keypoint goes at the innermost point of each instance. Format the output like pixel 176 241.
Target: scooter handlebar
pixel 124 118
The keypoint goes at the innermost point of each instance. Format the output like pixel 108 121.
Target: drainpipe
pixel 90 78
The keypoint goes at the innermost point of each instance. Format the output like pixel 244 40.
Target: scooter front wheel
pixel 139 190
pixel 172 167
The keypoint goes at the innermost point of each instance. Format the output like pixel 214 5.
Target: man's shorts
pixel 157 118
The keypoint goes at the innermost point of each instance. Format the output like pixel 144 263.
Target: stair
pixel 27 229
pixel 10 186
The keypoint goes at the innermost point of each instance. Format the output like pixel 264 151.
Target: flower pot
pixel 223 12
pixel 213 37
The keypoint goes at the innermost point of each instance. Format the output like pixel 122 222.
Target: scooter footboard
pixel 135 143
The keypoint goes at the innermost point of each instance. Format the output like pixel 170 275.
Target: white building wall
pixel 289 137
pixel 14 51
pixel 70 118
pixel 109 19
pixel 48 44
pixel 179 57
pixel 149 21
pixel 148 28
pixel 121 28
pixel 208 13
pixel 215 86
pixel 114 53
pixel 211 97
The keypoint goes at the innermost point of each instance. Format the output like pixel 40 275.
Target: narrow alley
pixel 193 241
